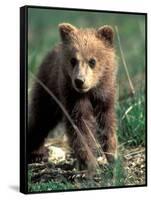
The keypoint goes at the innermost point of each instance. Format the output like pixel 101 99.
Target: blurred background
pixel 43 35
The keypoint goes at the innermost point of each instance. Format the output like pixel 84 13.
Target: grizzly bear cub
pixel 81 74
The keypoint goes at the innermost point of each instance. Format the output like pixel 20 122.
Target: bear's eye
pixel 74 61
pixel 92 63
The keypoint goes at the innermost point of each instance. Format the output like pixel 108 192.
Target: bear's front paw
pixel 86 161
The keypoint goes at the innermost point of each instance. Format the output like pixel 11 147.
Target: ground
pixel 60 172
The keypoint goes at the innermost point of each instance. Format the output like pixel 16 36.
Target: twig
pixel 124 62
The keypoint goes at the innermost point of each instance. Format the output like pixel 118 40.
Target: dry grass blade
pixel 124 62
pixel 95 141
pixel 92 136
pixel 134 153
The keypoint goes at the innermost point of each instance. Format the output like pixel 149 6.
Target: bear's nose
pixel 79 82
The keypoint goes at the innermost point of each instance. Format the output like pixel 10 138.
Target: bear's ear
pixel 106 34
pixel 66 31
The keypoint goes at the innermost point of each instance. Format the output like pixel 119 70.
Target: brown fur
pixel 91 106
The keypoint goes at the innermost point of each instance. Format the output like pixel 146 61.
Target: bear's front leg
pixel 82 133
pixel 106 130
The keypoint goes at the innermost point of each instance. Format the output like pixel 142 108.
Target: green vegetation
pixel 42 37
pixel 49 186
pixel 131 120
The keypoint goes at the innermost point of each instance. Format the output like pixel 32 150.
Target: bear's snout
pixel 79 82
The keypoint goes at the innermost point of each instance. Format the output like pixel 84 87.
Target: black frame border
pixel 24 95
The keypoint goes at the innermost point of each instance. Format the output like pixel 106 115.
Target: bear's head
pixel 88 55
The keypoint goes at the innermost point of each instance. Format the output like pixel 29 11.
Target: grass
pixel 49 186
pixel 131 120
pixel 43 35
